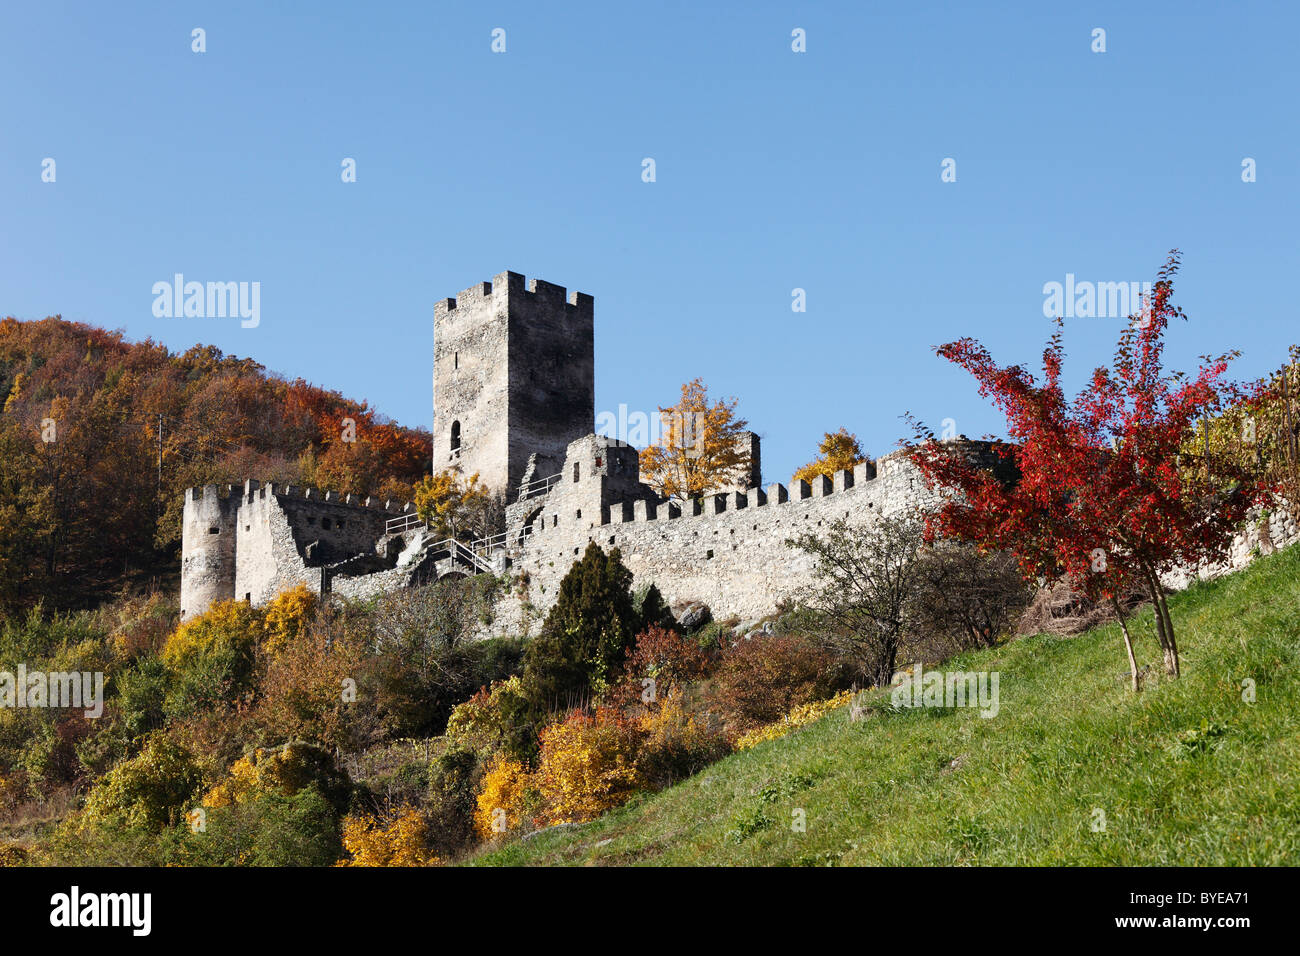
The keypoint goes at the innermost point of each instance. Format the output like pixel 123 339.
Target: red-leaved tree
pixel 1107 496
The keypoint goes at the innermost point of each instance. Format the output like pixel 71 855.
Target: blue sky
pixel 775 170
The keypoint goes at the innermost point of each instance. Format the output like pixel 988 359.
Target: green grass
pixel 1186 773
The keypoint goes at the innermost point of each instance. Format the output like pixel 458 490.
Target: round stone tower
pixel 208 527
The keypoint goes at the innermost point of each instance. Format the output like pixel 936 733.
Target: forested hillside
pixel 99 437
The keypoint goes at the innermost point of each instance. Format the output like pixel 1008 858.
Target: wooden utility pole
pixel 157 507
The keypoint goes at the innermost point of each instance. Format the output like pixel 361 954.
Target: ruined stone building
pixel 514 401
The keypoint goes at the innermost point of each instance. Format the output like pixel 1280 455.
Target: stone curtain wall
pixel 727 550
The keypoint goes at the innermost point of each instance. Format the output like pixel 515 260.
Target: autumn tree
pixel 700 447
pixel 100 436
pixel 865 579
pixel 455 506
pixel 1107 497
pixel 1261 433
pixel 838 451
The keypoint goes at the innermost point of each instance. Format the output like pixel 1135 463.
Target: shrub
pixel 270 829
pixel 963 600
pixel 495 720
pixel 149 791
pixel 453 785
pixel 141 692
pixel 588 764
pixel 798 717
pixel 507 787
pixel 140 625
pixel 586 635
pixel 284 770
pixel 287 616
pixel 210 658
pixel 666 658
pixel 677 743
pixel 302 688
pixel 402 841
pixel 760 680
pixel 426 664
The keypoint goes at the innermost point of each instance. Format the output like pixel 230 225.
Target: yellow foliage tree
pixel 505 791
pixel 699 448
pixel 227 626
pixel 285 770
pixel 287 616
pixel 839 451
pixel 453 505
pixel 403 842
pixel 587 765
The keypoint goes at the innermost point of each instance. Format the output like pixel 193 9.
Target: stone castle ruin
pixel 514 400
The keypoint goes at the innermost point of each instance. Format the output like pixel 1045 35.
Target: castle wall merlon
pixel 863 472
pixel 547 291
pixel 466 299
pixel 509 283
pixel 215 492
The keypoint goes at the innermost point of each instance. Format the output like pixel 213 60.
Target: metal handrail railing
pixel 460 550
pixel 502 540
pixel 538 486
pixel 402 523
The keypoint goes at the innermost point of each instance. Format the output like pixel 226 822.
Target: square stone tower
pixel 513 376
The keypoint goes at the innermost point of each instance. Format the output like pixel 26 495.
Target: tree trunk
pixel 1128 645
pixel 1169 630
pixel 1164 623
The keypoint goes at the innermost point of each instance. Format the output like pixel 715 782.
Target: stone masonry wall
pixel 1267 530
pixel 270 538
pixel 514 371
pixel 727 550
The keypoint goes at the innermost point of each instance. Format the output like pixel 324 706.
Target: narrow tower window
pixel 455 437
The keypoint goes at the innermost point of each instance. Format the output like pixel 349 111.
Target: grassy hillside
pixel 1185 773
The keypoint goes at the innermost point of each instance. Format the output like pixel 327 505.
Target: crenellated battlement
pixel 890 477
pixel 728 549
pixel 254 490
pixel 514 285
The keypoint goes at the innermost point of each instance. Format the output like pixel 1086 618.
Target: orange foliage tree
pixel 699 446
pixel 90 419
